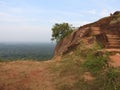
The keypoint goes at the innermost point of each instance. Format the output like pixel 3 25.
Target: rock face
pixel 105 31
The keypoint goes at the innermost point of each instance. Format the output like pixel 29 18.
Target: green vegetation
pixel 59 31
pixel 71 69
pixel 67 72
pixel 43 51
pixel 107 78
pixel 70 72
pixel 95 64
pixel 94 60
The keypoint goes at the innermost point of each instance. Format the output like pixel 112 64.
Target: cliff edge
pixel 105 31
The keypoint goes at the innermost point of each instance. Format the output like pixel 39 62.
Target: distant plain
pixel 26 51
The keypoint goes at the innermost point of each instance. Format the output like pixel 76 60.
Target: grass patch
pixel 94 61
pixel 67 66
pixel 95 64
pixel 69 72
pixel 108 80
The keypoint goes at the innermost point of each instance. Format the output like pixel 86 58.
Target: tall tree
pixel 59 31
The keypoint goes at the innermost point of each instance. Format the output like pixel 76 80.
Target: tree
pixel 59 31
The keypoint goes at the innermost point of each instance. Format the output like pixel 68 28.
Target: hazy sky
pixel 32 20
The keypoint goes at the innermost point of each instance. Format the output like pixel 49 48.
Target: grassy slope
pixel 25 75
pixel 33 75
pixel 67 74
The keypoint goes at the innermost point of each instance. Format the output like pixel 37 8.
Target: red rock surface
pixel 100 29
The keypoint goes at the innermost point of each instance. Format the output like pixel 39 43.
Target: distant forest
pixel 30 51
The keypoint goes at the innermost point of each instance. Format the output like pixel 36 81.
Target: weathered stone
pixel 89 33
pixel 116 13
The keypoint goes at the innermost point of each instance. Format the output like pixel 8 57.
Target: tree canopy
pixel 61 30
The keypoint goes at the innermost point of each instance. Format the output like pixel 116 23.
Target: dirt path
pixel 25 75
pixel 115 60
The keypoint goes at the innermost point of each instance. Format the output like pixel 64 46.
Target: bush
pixel 108 80
pixel 95 64
pixel 59 31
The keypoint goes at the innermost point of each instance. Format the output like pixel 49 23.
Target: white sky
pixel 32 20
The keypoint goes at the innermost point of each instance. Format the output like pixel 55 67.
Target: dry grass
pixel 25 75
pixel 33 75
pixel 66 74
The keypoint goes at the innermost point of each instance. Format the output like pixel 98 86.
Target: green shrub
pixel 113 79
pixel 108 80
pixel 95 64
